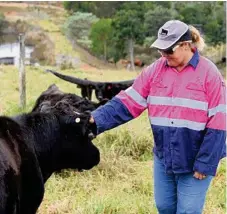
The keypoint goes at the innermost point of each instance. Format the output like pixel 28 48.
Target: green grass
pixel 122 182
pixel 109 188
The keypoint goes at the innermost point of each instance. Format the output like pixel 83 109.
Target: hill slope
pixel 44 17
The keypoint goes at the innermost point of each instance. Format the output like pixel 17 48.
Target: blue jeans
pixel 178 193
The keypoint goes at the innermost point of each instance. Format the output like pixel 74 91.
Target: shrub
pixel 77 27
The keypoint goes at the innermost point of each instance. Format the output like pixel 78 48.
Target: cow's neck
pixel 44 132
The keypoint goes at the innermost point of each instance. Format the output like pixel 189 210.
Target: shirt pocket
pixel 196 91
pixel 158 88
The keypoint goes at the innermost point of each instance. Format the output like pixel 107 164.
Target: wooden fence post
pixel 22 77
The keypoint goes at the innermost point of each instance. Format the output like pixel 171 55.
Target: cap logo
pixel 164 32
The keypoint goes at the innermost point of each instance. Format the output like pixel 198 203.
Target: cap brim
pixel 161 44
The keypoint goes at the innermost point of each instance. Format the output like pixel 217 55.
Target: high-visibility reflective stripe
pixel 136 96
pixel 219 108
pixel 176 101
pixel 162 121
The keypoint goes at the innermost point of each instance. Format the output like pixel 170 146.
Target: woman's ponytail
pixel 197 40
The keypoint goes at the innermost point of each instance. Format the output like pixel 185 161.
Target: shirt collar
pixel 195 59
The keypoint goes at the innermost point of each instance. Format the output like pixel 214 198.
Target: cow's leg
pixel 89 93
pixel 84 91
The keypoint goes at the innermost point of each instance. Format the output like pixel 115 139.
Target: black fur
pixel 52 95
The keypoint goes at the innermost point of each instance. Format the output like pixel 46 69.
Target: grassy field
pixel 122 182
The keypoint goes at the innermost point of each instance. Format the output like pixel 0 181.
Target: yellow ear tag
pixel 77 120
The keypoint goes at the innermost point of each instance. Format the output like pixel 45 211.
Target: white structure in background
pixel 10 54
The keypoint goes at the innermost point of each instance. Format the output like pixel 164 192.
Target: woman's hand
pixel 199 175
pixel 92 127
pixel 91 120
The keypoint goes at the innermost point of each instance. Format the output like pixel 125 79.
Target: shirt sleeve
pixel 213 147
pixel 126 105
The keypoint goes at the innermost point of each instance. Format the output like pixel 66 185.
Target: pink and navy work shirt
pixel 187 113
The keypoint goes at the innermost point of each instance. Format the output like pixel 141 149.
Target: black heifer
pixel 33 146
pixel 103 90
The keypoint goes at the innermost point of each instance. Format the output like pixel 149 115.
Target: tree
pixel 106 9
pixel 210 15
pixel 128 27
pixel 194 14
pixel 154 19
pixel 215 27
pixel 100 36
pixel 79 6
pixel 77 26
pixel 101 9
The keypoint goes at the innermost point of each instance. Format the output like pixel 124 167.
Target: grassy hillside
pixel 122 182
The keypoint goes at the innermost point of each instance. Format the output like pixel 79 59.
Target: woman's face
pixel 178 56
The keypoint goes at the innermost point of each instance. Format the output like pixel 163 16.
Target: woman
pixel 185 96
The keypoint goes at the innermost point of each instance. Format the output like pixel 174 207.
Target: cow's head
pixel 103 91
pixel 106 91
pixel 75 148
